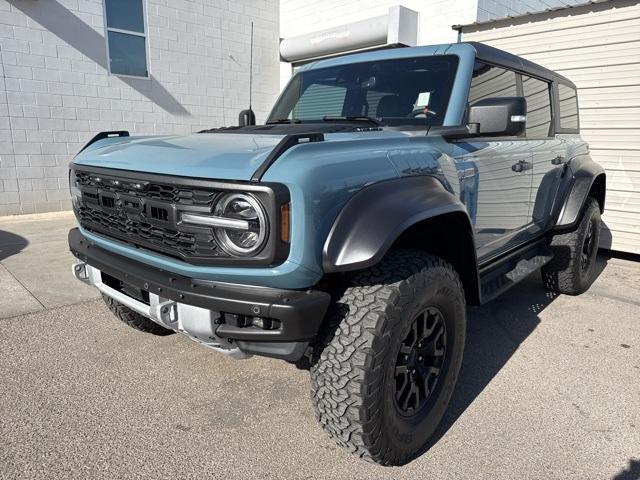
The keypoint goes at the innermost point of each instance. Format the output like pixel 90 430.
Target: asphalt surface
pixel 550 388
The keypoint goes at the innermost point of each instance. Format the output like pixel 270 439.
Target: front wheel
pixel 386 374
pixel 134 319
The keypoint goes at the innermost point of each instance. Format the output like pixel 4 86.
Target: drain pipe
pixel 458 28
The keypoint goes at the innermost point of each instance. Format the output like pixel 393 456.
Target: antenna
pixel 250 64
pixel 247 117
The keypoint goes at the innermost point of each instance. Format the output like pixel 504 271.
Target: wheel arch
pixel 409 212
pixel 587 179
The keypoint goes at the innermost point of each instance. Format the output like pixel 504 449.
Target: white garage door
pixel 598 48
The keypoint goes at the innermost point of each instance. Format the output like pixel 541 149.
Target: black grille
pixel 145 211
pixel 156 191
pixel 146 214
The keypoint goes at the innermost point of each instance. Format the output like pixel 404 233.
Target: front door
pixel 495 174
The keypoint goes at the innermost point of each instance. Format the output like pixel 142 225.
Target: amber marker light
pixel 285 222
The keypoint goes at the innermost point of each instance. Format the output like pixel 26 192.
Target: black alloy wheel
pixel 420 360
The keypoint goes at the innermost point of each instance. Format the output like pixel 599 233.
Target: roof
pixel 480 50
pixel 515 62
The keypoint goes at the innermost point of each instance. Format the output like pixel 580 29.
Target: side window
pixel 489 81
pixel 319 100
pixel 568 107
pixel 538 99
pixel 126 41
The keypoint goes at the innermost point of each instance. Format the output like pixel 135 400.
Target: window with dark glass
pixel 538 98
pixel 489 82
pixel 404 91
pixel 568 107
pixel 126 42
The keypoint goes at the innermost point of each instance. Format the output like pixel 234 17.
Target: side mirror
pixel 246 117
pixel 499 116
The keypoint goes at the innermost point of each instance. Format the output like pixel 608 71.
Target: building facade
pixel 72 68
pixel 434 17
pixel 597 46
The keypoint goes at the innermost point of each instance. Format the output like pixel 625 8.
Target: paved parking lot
pixel 550 387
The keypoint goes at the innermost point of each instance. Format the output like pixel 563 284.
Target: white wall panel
pixel 598 48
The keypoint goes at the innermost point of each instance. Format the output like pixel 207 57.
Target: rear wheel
pixel 573 268
pixel 134 319
pixel 386 373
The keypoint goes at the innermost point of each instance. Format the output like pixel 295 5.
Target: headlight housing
pixel 247 229
pixel 74 191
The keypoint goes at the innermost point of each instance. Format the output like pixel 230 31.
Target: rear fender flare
pixel 574 193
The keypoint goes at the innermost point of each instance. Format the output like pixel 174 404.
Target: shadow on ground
pixel 10 244
pixel 494 333
pixel 630 473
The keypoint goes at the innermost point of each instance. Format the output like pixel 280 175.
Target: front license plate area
pixel 122 287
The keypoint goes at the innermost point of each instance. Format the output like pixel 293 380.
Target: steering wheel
pixel 419 112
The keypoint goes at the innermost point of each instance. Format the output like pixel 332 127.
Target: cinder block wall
pixel 56 93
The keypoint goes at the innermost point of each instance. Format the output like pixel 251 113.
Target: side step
pixel 505 273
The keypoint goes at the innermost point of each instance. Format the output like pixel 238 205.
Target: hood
pixel 227 156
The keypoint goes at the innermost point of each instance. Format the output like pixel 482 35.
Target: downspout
pixel 458 28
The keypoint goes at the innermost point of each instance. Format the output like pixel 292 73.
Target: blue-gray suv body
pixel 386 191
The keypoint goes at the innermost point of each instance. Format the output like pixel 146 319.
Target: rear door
pixel 547 152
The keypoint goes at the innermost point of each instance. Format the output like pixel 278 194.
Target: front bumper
pixel 200 308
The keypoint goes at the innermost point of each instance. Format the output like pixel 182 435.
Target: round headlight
pixel 236 240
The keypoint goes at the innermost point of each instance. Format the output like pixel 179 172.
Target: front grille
pixel 145 211
pixel 152 190
pixel 146 214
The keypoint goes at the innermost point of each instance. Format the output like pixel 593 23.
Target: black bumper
pixel 300 312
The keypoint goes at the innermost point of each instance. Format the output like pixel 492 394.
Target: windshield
pixel 404 91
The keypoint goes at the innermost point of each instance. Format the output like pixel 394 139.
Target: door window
pixel 568 107
pixel 538 99
pixel 489 81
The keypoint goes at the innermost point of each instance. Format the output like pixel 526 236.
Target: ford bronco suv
pixel 386 191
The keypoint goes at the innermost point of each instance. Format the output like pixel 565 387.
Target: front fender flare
pixel 375 217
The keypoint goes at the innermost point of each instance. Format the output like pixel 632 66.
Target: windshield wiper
pixel 353 118
pixel 283 120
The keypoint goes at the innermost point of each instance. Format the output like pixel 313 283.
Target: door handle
pixel 521 166
pixel 559 160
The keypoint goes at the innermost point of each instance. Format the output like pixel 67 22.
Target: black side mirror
pixel 246 117
pixel 499 116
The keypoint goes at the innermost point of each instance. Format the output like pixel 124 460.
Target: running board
pixel 500 277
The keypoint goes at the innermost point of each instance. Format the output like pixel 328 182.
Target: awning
pixel 399 27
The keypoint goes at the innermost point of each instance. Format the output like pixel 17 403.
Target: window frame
pixel 144 35
pixel 551 131
pixel 553 99
pixel 556 93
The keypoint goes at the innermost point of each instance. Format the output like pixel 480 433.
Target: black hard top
pixel 509 60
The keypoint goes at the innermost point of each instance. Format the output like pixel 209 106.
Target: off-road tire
pixel 565 273
pixel 134 319
pixel 353 381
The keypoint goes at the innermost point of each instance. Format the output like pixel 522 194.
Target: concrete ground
pixel 550 387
